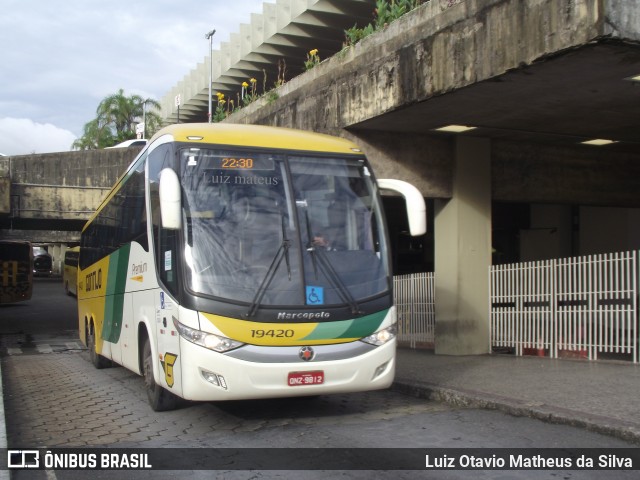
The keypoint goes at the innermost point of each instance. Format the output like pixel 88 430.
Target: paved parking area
pixel 61 400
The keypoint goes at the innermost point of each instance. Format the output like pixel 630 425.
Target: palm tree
pixel 117 117
pixel 94 136
pixel 123 113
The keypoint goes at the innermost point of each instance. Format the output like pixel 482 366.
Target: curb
pixel 626 431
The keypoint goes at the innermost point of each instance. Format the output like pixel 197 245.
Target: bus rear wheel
pixel 98 360
pixel 159 398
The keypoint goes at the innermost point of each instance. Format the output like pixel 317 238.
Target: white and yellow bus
pixel 70 271
pixel 240 262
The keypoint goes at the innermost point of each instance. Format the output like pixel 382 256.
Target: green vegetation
pixel 386 12
pixel 116 120
pixel 312 60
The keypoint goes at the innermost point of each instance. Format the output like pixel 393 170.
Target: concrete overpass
pixel 47 198
pixel 278 37
pixel 535 78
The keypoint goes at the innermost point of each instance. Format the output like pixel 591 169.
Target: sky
pixel 60 58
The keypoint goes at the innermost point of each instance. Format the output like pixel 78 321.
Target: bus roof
pixel 258 136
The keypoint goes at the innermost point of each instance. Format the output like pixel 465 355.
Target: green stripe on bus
pixel 356 328
pixel 365 326
pixel 114 301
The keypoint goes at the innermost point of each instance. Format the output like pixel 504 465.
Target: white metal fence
pixel 581 306
pixel 414 300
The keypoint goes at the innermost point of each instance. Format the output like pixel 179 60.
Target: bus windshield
pixel 269 229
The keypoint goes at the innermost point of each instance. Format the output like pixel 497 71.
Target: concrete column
pixel 463 253
pixel 55 251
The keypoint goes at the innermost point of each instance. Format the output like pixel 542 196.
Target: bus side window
pixel 132 211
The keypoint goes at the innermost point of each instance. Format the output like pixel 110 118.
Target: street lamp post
pixel 144 118
pixel 209 36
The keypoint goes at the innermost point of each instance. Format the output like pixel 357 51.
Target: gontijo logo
pixel 93 280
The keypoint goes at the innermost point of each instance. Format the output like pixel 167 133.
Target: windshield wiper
pixel 331 274
pixel 286 244
pixel 283 252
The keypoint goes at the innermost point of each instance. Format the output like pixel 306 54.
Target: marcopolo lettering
pixel 303 315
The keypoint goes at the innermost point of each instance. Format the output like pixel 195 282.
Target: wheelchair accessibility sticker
pixel 315 295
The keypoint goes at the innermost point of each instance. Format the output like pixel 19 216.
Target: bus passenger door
pixel 168 342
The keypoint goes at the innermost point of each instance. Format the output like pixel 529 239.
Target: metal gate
pixel 581 306
pixel 414 300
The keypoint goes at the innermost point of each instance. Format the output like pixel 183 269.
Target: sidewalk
pixel 602 396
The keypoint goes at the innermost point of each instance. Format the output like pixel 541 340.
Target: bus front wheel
pixel 160 399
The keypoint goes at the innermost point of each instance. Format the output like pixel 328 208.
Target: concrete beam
pixel 433 50
pixel 40 236
pixel 425 162
pixel 525 172
pixel 66 185
pixel 621 19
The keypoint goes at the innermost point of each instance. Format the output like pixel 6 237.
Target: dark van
pixel 42 262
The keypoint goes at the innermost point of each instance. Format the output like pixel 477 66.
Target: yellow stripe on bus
pixel 92 288
pixel 270 334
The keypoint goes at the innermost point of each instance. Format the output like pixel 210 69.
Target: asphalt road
pixel 54 398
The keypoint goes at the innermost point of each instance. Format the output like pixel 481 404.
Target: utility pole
pixel 209 36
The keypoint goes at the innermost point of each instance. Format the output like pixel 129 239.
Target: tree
pixel 94 136
pixel 117 117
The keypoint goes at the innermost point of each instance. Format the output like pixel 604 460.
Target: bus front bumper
pixel 208 375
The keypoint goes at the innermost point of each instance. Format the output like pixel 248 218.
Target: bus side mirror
pixel 170 200
pixel 416 208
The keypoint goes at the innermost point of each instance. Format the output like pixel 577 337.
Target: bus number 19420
pixel 272 333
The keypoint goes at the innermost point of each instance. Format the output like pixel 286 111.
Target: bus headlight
pixel 213 342
pixel 381 337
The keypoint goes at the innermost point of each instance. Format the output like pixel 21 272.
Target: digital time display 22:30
pixel 234 163
pixel 245 163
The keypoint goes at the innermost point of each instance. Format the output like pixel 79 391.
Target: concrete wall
pixel 622 18
pixel 549 234
pixel 65 186
pixel 546 174
pixel 439 47
pixel 444 46
pixel 425 162
pixel 604 230
pixel 5 195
